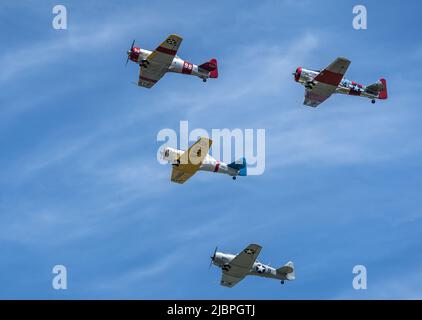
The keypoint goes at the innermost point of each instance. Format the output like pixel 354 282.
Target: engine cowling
pixel 134 54
pixel 297 74
pixel 171 155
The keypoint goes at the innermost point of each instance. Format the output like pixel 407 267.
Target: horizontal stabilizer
pixel 375 88
pixel 239 165
pixel 210 66
pixel 379 88
pixel 287 271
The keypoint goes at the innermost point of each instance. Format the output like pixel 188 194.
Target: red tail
pixel 383 94
pixel 211 67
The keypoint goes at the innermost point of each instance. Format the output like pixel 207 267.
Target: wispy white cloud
pixel 95 35
pixel 138 279
pixel 400 285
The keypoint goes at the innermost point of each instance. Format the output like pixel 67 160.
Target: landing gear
pixel 373 101
pixel 282 281
pixel 309 85
pixel 234 178
pixel 226 267
pixel 177 163
pixel 144 63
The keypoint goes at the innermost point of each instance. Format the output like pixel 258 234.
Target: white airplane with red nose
pixel 154 64
pixel 196 158
pixel 320 85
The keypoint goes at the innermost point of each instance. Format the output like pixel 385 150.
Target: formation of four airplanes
pixel 319 86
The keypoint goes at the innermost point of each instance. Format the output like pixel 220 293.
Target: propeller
pixel 213 256
pixel 130 51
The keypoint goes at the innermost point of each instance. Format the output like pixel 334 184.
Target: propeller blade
pixel 213 256
pixel 130 51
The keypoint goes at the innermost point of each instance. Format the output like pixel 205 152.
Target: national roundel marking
pixel 171 42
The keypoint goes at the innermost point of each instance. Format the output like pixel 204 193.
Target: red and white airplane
pixel 154 64
pixel 320 85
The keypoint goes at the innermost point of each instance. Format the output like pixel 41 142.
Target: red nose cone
pixel 298 73
pixel 134 54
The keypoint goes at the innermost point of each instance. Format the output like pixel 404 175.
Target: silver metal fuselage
pixel 178 65
pixel 258 269
pixel 345 87
pixel 208 164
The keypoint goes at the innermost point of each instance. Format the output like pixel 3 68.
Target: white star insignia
pixel 249 251
pixel 260 269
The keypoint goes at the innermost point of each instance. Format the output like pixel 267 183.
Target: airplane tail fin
pixel 288 271
pixel 383 94
pixel 212 67
pixel 240 165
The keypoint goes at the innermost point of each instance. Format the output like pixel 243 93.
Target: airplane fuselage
pixel 306 78
pixel 222 260
pixel 178 65
pixel 208 164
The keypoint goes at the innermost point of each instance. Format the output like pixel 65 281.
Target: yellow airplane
pixel 196 158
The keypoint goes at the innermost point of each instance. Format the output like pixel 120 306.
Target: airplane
pixel 196 158
pixel 236 267
pixel 320 85
pixel 154 64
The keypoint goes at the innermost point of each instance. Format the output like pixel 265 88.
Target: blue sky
pixel 80 184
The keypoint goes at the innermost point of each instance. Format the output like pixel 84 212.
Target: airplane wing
pixel 190 161
pixel 326 82
pixel 158 61
pixel 240 266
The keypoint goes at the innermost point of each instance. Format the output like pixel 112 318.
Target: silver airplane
pixel 320 85
pixel 237 267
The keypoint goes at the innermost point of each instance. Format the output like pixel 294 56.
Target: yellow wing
pixel 190 161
